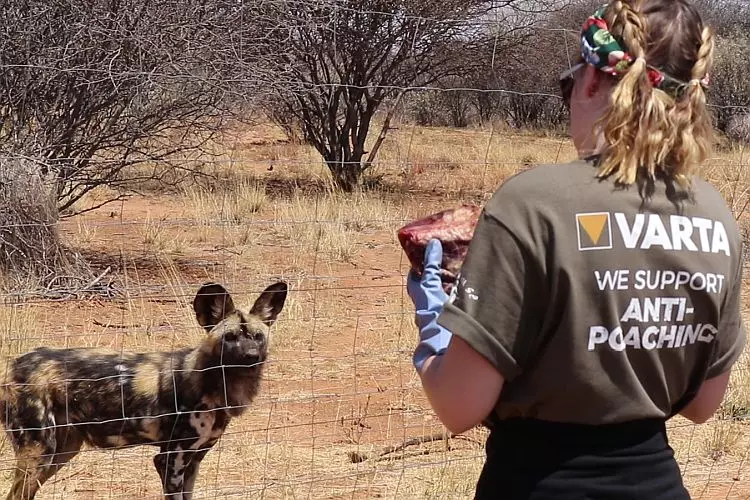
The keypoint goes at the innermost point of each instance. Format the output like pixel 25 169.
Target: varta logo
pixel 594 231
pixel 646 231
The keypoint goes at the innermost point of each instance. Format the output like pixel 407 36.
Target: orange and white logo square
pixel 594 231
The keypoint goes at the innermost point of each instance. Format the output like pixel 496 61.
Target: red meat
pixel 454 228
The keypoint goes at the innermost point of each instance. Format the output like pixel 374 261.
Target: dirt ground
pixel 339 387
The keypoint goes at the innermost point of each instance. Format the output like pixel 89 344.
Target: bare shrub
pixel 738 128
pixel 32 255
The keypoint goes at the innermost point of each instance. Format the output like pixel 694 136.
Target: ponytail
pixel 655 122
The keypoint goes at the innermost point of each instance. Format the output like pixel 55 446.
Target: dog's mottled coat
pixel 54 400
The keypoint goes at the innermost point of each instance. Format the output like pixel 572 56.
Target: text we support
pixel 649 279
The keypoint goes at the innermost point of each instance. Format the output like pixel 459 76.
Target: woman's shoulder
pixel 548 184
pixel 550 178
pixel 703 190
pixel 549 192
pixel 546 173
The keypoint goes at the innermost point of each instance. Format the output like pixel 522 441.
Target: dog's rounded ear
pixel 270 303
pixel 212 304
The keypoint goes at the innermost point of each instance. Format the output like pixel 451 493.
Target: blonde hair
pixel 645 127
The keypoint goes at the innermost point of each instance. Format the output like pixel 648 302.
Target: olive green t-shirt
pixel 597 304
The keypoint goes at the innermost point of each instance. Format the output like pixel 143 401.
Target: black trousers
pixel 536 460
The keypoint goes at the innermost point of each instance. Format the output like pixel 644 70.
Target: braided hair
pixel 647 127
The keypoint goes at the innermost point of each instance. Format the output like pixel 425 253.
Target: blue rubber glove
pixel 428 297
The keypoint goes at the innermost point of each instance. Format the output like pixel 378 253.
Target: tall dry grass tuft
pixel 84 234
pixel 722 438
pixel 17 324
pixel 232 202
pixel 185 331
pixel 152 232
pixel 736 403
pixel 330 224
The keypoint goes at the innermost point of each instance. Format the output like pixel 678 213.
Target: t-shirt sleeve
pixel 498 303
pixel 730 340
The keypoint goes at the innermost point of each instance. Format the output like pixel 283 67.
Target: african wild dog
pixel 54 400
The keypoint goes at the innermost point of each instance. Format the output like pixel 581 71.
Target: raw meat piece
pixel 454 228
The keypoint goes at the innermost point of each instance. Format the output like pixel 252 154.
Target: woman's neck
pixel 594 145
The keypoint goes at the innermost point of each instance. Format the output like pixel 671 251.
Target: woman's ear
pixel 592 79
pixel 593 91
pixel 589 102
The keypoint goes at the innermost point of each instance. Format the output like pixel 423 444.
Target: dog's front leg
pixel 178 469
pixel 191 473
pixel 170 464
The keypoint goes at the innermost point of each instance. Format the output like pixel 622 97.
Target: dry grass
pixel 229 204
pixel 736 404
pixel 723 439
pixel 332 224
pixel 234 201
pixel 340 378
pixel 728 172
pixel 466 161
pixel 152 233
pixel 157 236
pixel 17 323
pixel 85 234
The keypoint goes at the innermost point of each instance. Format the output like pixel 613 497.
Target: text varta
pixel 692 234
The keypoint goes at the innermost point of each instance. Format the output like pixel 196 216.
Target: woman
pixel 599 298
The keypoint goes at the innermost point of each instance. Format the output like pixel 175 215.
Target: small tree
pixel 110 93
pixel 531 71
pixel 345 59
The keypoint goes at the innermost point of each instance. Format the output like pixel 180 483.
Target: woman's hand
pixel 428 297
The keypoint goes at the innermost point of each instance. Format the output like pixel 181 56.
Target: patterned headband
pixel 602 50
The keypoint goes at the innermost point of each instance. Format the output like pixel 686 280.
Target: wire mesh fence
pixel 340 412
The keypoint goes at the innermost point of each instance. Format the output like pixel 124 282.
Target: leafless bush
pixel 514 77
pixel 116 94
pixel 729 92
pixel 96 88
pixel 524 76
pixel 441 108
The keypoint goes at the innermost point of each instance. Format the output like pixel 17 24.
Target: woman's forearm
pixel 461 386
